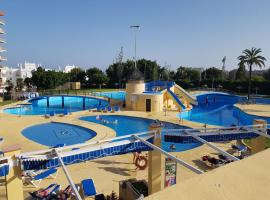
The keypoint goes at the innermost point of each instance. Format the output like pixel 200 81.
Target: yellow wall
pixel 133 87
pixel 138 102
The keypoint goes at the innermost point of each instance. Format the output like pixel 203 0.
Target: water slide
pixel 179 90
pixel 175 99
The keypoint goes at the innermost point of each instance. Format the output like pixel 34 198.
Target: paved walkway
pixel 255 109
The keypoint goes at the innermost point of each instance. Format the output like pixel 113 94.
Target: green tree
pixel 250 58
pixel 241 73
pixel 212 73
pixel 232 74
pixel 187 74
pixel 96 77
pixel 77 75
pixel 28 82
pixel 266 74
pixel 9 87
pixel 19 84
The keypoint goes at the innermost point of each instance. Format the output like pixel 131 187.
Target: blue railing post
pixel 83 103
pixel 48 101
pixel 63 102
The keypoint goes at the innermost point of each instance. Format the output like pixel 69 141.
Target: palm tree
pixel 250 58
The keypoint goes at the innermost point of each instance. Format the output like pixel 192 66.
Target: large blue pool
pixel 129 125
pixel 119 95
pixel 218 109
pixel 38 106
pixel 52 134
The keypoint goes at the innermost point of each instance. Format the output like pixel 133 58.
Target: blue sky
pixel 91 32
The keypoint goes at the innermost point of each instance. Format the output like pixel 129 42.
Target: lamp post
pixel 135 27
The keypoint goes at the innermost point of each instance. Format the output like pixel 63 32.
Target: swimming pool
pixel 119 95
pixel 218 109
pixel 54 133
pixel 38 106
pixel 129 125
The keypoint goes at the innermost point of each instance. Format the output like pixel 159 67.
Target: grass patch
pixel 248 142
pixel 6 102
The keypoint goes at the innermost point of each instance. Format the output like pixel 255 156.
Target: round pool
pixel 56 105
pixel 124 125
pixel 54 133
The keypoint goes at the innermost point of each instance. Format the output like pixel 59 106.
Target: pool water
pixel 38 106
pixel 218 109
pixel 52 134
pixel 129 125
pixel 119 95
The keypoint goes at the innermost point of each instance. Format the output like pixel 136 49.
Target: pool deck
pixel 112 169
pixel 262 110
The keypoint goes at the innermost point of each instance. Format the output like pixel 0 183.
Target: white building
pixel 68 68
pixel 23 71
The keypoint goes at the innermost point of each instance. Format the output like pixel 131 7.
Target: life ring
pixel 141 162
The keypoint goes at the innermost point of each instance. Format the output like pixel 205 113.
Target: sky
pixel 195 33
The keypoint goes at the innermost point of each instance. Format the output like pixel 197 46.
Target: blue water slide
pixel 176 99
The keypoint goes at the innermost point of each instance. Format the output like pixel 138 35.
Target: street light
pixel 135 27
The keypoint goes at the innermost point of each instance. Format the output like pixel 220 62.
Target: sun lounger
pixel 116 108
pixel 51 113
pixel 36 180
pixel 88 187
pixel 45 193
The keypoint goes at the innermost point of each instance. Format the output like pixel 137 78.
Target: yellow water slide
pixel 188 97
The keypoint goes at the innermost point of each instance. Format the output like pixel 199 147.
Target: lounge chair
pixel 116 108
pixel 36 179
pixel 45 193
pixel 51 113
pixel 88 187
pixel 104 109
pixel 109 109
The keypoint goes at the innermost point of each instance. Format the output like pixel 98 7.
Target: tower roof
pixel 136 75
pixel 2 13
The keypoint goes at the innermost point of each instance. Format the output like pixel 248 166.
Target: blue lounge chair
pixel 45 193
pixel 52 113
pixel 109 108
pixel 116 108
pixel 88 187
pixel 36 180
pixel 99 108
pixel 65 112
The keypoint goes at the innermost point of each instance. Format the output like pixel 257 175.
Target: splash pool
pixel 218 109
pixel 39 106
pixel 129 125
pixel 53 133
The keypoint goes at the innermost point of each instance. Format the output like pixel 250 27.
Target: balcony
pixel 2 22
pixel 2 40
pixel 2 49
pixel 2 31
pixel 2 59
